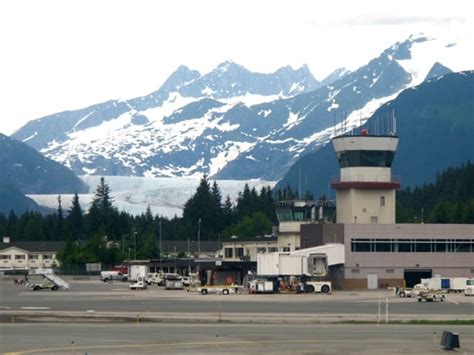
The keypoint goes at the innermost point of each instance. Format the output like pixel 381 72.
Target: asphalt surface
pixel 96 296
pixel 224 339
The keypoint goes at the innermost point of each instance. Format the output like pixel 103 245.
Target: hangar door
pixel 413 277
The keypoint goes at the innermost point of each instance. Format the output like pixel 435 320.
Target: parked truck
pixel 455 284
pixel 138 277
pixel 137 271
pixel 448 284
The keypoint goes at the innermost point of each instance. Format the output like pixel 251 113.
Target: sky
pixel 61 55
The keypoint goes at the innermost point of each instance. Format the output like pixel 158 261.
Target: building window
pixel 20 257
pixel 374 219
pixel 440 245
pixel 47 256
pixel 390 271
pixel 383 245
pixel 355 271
pixel 382 200
pixel 273 249
pixel 228 252
pixel 33 256
pixel 413 245
pixel 462 246
pixel 286 249
pixel 261 250
pixel 360 245
pixel 239 252
pixel 5 257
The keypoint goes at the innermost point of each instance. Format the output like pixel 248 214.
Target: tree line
pixel 450 199
pixel 103 233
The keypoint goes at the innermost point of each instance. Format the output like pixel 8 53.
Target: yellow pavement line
pixel 139 346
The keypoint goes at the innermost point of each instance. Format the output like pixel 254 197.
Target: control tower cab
pixel 365 191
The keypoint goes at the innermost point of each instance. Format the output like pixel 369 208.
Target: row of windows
pixel 379 158
pixel 413 245
pixel 239 252
pixel 23 257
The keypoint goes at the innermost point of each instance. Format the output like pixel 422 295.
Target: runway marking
pixel 181 344
pixel 3 307
pixel 453 301
pixel 119 289
pixel 35 308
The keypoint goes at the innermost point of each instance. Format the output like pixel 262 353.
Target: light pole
pixel 199 236
pixel 134 244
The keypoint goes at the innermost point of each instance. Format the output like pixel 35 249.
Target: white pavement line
pixel 119 289
pixel 453 301
pixel 35 308
pixel 3 307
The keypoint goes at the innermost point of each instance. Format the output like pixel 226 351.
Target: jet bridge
pixel 313 261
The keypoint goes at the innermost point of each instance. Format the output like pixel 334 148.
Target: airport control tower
pixel 365 191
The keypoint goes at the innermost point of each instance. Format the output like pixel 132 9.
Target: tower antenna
pixel 394 123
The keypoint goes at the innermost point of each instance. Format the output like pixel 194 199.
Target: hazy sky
pixel 58 55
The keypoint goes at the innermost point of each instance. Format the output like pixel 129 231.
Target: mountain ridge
pixel 229 123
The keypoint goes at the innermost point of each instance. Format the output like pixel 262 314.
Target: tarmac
pixel 98 318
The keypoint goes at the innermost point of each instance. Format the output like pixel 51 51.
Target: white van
pixel 108 276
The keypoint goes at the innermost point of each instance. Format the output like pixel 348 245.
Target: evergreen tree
pixel 102 214
pixel 60 219
pixel 75 218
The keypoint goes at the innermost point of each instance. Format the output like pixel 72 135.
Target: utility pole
pixel 134 244
pixel 160 239
pixel 199 236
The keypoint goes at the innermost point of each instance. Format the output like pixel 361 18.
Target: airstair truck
pixel 50 281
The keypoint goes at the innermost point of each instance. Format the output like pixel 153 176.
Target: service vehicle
pixel 409 292
pixel 457 284
pixel 155 278
pixel 469 289
pixel 50 282
pixel 261 286
pixel 138 271
pixel 431 296
pixel 220 290
pixel 108 276
pixel 317 286
pixel 139 284
pixel 174 282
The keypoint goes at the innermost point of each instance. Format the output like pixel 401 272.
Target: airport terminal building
pixel 379 252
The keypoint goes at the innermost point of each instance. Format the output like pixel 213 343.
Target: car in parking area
pixel 174 282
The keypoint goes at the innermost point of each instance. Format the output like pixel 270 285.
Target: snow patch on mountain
pixel 425 53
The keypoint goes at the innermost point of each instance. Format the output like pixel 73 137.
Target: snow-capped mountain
pixel 337 74
pixel 231 123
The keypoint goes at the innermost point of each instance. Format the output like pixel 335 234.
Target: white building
pixel 29 255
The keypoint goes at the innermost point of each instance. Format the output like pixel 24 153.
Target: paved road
pixel 205 339
pixel 100 297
